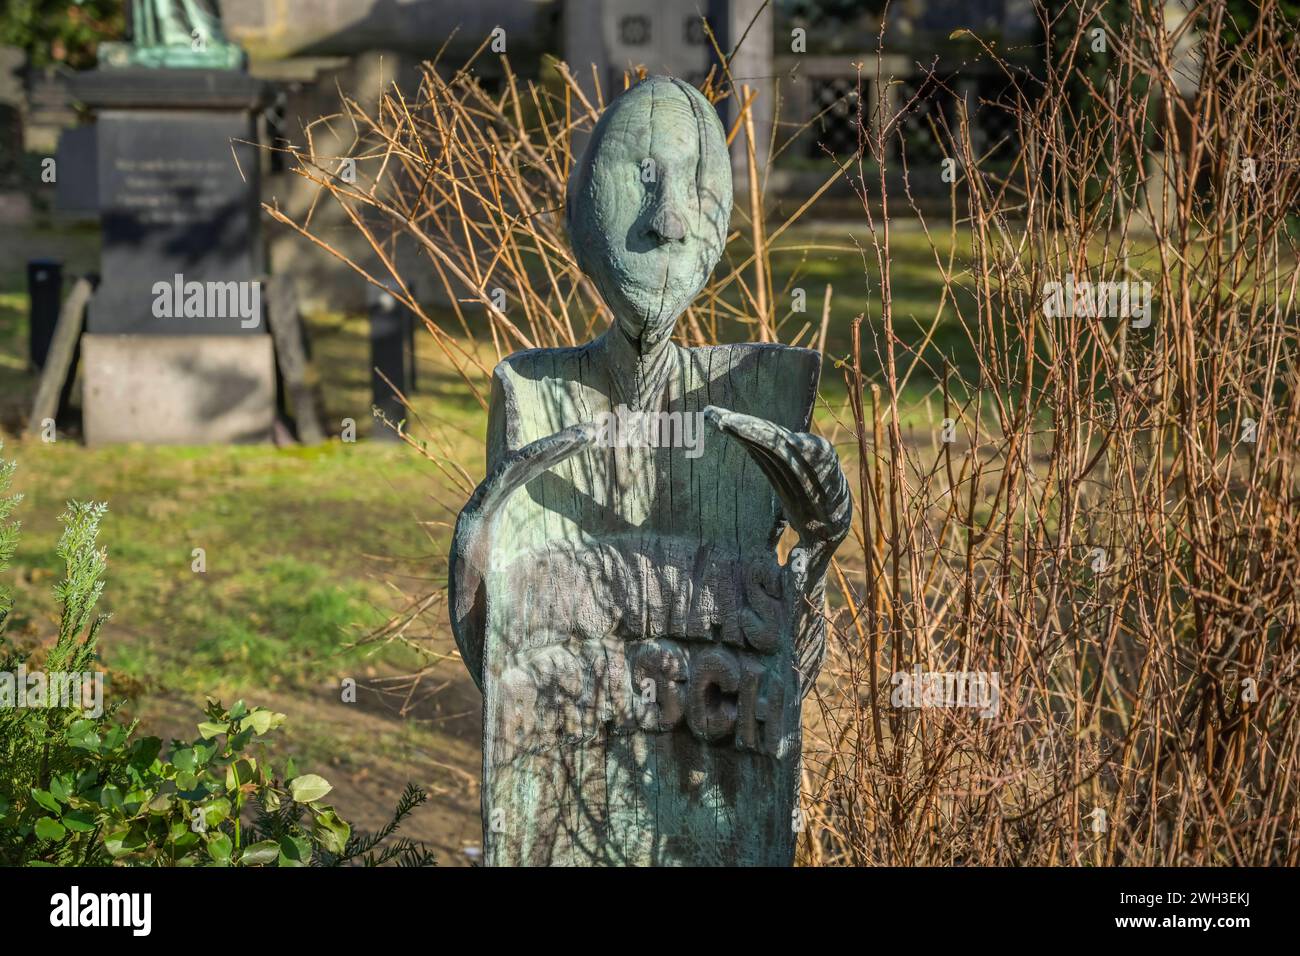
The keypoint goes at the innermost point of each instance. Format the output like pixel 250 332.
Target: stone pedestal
pixel 177 182
pixel 178 389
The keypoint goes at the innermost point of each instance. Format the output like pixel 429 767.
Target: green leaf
pixel 82 736
pixel 260 854
pixel 219 847
pixel 145 751
pixel 185 760
pixel 331 832
pixel 259 721
pixel 115 841
pixel 240 772
pixel 215 811
pixel 110 797
pixel 294 851
pixel 46 799
pixel 160 804
pixel 209 729
pixel 58 790
pixel 136 799
pixel 115 738
pixel 48 828
pixel 79 821
pixel 309 788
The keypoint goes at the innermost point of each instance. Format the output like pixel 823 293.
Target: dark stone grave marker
pixel 178 195
pixel 177 347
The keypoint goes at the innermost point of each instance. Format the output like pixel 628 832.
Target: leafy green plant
pixel 56 31
pixel 212 800
pixel 86 790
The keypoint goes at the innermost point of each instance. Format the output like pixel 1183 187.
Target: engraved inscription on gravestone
pixel 169 191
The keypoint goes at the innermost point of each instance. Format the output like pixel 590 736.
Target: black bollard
pixel 390 337
pixel 45 290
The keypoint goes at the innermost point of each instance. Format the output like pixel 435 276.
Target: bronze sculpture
pixel 183 34
pixel 642 653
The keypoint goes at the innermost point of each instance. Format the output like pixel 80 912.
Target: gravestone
pixel 615 589
pixel 177 166
pixel 76 193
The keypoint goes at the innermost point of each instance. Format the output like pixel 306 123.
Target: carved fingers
pixel 803 470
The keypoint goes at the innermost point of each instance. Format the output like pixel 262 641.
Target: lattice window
pixel 925 137
pixel 993 119
pixel 835 103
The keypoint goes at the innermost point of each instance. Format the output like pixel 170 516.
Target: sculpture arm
pixel 806 475
pixel 471 541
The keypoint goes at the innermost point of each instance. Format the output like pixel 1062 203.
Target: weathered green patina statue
pixel 615 587
pixel 184 34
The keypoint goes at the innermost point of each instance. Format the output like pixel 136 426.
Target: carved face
pixel 649 204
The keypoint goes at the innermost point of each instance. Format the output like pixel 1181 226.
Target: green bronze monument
pixel 174 34
pixel 615 587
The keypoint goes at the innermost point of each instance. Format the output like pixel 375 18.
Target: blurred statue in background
pixel 184 34
pixel 615 587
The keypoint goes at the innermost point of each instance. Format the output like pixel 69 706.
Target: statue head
pixel 649 204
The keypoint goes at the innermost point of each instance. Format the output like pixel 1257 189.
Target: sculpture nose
pixel 667 226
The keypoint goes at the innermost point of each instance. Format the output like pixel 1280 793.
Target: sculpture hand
pixel 806 475
pixel 518 468
pixel 471 542
pixel 804 472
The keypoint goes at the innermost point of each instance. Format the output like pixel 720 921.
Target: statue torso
pixel 636 620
